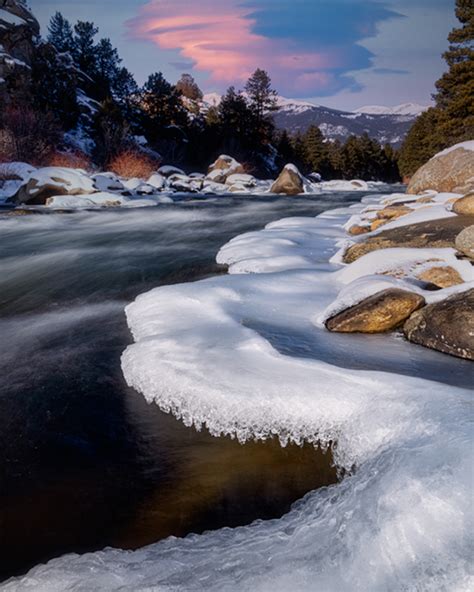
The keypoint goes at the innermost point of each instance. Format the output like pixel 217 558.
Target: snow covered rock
pixel 107 182
pixel 290 181
pixel 446 326
pixel 439 233
pixel 157 181
pixel 168 170
pixel 52 181
pixel 224 167
pixel 381 312
pixel 241 179
pixel 450 170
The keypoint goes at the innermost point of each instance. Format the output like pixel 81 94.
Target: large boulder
pixel 446 326
pixel 290 181
pixel 439 234
pixel 465 242
pixel 441 276
pixel 451 170
pixel 52 181
pixel 381 312
pixel 464 205
pixel 224 167
pixel 18 32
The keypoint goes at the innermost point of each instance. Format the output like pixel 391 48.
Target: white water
pixel 401 521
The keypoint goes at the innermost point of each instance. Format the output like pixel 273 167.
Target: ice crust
pixel 401 520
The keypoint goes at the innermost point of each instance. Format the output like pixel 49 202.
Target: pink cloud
pixel 218 38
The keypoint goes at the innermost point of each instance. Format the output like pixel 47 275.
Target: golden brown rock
pixel 393 212
pixel 381 312
pixel 377 224
pixel 465 205
pixel 290 182
pixel 357 229
pixel 443 277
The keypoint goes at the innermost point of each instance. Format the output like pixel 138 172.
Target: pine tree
pixel 188 87
pixel 106 70
pixel 316 155
pixel 60 33
pixel 262 97
pixel 452 120
pixel 285 148
pixel 161 107
pixel 84 51
pixel 54 84
pixel 111 132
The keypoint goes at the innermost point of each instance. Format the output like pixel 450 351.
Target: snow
pixel 11 19
pixel 102 199
pixel 354 185
pixel 401 519
pixel 469 145
pixel 404 109
pixel 241 179
pixel 157 181
pixel 168 170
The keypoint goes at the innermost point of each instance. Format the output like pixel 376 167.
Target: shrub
pixel 74 160
pixel 27 135
pixel 133 163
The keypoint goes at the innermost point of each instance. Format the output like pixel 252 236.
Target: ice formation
pixel 401 519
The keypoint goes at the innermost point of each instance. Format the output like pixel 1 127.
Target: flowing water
pixel 85 462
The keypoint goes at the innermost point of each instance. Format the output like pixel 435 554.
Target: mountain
pixel 391 128
pixel 385 124
pixel 404 109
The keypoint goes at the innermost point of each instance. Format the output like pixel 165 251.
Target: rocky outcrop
pixel 19 31
pixel 465 242
pixel 433 233
pixel 451 170
pixel 379 313
pixel 290 181
pixel 464 205
pixel 447 326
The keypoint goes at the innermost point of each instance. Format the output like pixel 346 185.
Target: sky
pixel 339 53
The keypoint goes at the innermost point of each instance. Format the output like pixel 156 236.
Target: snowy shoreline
pixel 402 520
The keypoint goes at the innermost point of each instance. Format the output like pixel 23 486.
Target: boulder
pixel 439 233
pixel 167 171
pixel 53 181
pixel 381 312
pixel 357 229
pixel 465 205
pixel 393 212
pixel 224 167
pixel 449 171
pixel 290 181
pixel 441 276
pixel 446 326
pixel 465 242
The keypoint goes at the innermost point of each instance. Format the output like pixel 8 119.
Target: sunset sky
pixel 341 53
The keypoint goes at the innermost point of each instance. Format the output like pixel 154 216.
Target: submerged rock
pixel 290 181
pixel 431 233
pixel 465 242
pixel 449 171
pixel 446 326
pixel 381 312
pixel 465 205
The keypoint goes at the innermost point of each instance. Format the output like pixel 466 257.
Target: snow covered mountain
pixel 404 109
pixel 384 124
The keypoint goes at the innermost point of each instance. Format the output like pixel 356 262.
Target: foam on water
pixel 401 519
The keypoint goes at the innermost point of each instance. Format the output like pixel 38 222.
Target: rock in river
pixel 446 326
pixel 378 313
pixel 290 181
pixel 465 242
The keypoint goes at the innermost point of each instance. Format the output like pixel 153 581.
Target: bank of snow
pixel 400 520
